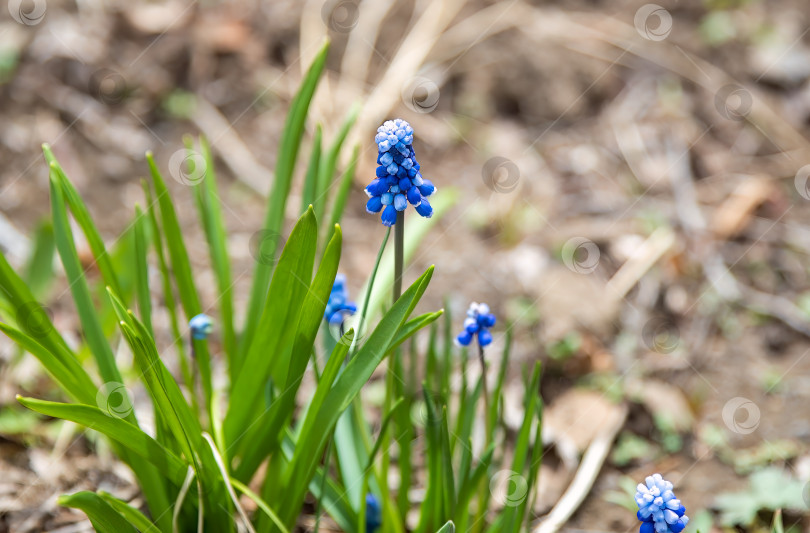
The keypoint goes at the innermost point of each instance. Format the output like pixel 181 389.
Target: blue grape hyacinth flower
pixel 201 326
pixel 479 320
pixel 658 508
pixel 339 305
pixel 373 513
pixel 398 182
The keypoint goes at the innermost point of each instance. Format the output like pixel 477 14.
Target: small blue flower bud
pixel 484 337
pixel 404 184
pixel 387 198
pixel 414 196
pixel 424 208
pixel 394 189
pixel 201 326
pixel 389 216
pixel 377 187
pixel 374 204
pixel 464 338
pixel 381 172
pixel 400 203
pixel 392 169
pixel 427 188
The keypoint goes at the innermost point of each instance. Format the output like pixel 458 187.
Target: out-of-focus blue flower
pixel 398 180
pixel 339 305
pixel 658 508
pixel 373 513
pixel 479 320
pixel 201 326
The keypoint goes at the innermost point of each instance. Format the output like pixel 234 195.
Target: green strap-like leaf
pixel 104 518
pixel 267 427
pixel 274 218
pixel 132 515
pixel 269 354
pixel 319 423
pixel 85 221
pixel 117 429
pixel 93 333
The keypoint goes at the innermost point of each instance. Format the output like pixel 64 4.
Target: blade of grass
pixel 345 187
pixel 326 168
pixel 311 178
pixel 347 386
pixel 209 205
pixel 278 323
pixel 85 221
pixel 103 517
pixel 274 218
pixel 39 269
pixel 142 271
pixel 132 515
pixel 85 306
pixel 268 426
pixel 117 429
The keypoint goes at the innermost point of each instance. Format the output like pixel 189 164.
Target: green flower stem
pixel 485 394
pixel 399 253
pixel 367 298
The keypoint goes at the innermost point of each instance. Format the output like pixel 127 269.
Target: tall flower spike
pixel 339 305
pixel 658 508
pixel 201 326
pixel 479 320
pixel 398 180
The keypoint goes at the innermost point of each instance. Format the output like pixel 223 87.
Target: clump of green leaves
pixel 768 489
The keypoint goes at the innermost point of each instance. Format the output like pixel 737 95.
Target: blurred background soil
pixel 632 199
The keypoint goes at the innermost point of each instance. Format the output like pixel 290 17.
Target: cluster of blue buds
pixel 339 305
pixel 373 513
pixel 201 326
pixel 478 320
pixel 398 180
pixel 658 508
